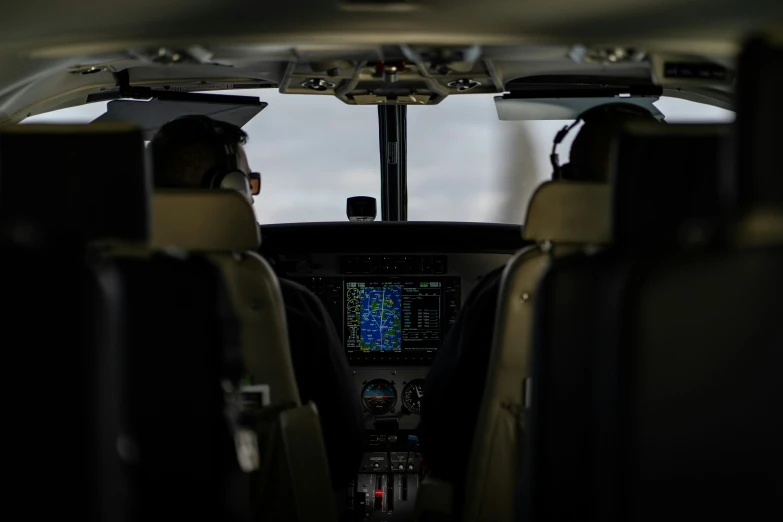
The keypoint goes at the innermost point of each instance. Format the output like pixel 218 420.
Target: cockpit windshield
pixel 463 163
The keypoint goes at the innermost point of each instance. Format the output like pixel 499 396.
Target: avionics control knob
pixel 410 466
pixel 402 467
pixel 376 465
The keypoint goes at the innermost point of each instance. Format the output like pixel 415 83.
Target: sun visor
pixel 150 115
pixel 529 109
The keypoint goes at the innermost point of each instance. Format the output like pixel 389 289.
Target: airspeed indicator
pixel 412 394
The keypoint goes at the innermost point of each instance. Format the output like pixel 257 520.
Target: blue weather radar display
pixel 380 323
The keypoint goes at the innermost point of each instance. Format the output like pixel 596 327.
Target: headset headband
pixel 589 114
pixel 226 173
pixel 226 153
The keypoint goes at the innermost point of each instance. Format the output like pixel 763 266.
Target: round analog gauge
pixel 379 396
pixel 412 394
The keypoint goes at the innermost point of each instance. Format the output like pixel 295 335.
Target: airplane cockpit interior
pixel 392 260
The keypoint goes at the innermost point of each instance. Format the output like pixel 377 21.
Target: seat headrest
pixel 758 173
pixel 569 212
pixel 74 183
pixel 666 176
pixel 203 221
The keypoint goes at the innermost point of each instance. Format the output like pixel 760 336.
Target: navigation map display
pixel 379 313
pixel 393 316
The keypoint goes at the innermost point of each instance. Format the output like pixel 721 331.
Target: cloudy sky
pixel 463 163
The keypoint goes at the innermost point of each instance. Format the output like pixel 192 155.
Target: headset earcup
pixel 237 180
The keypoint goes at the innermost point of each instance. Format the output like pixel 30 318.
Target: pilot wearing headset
pixel 183 147
pixel 464 355
pixel 199 152
pixel 591 150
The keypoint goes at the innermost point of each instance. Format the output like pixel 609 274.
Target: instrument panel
pixel 412 394
pixel 379 397
pixel 392 290
pixel 389 309
pixel 391 397
pixel 406 304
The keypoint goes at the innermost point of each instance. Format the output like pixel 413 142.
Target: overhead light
pixel 463 84
pixel 317 84
pixel 171 56
pixel 88 70
pixel 605 55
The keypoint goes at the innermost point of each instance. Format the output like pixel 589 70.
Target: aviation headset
pixel 225 174
pixel 562 171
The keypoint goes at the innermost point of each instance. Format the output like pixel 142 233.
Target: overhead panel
pixel 381 6
pixel 392 75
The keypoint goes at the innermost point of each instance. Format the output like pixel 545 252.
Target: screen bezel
pixel 415 357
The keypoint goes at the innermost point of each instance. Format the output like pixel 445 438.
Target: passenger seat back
pixel 563 217
pixel 64 311
pixel 590 409
pixel 221 226
pixel 182 343
pixel 704 338
pixel 90 185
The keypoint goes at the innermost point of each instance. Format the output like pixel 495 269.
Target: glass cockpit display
pixel 400 320
pixel 377 312
pixel 396 316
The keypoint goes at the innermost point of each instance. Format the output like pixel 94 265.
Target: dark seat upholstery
pixel 702 342
pixel 221 225
pixel 580 413
pixel 657 388
pixel 180 324
pixel 63 310
pixel 129 351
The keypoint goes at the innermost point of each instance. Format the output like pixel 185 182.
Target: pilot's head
pixel 199 152
pixel 591 149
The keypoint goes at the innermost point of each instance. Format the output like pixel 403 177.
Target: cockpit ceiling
pixel 55 53
pixel 97 25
